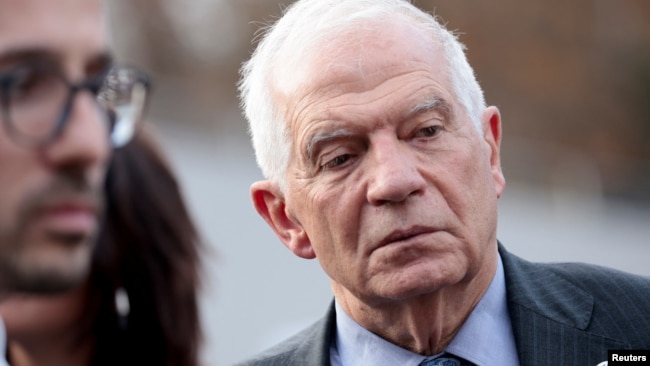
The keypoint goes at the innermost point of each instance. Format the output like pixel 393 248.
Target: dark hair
pixel 149 247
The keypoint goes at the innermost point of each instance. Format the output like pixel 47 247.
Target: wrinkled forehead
pixel 354 61
pixel 69 28
pixel 352 52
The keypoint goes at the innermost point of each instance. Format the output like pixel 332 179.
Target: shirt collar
pixel 356 345
pixel 485 338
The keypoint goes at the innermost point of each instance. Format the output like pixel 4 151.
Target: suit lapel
pixel 550 317
pixel 544 341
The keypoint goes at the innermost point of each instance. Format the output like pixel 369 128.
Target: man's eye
pixel 428 131
pixel 337 161
pixel 23 80
pixel 27 83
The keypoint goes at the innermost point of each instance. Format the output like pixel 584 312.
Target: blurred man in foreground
pixel 63 104
pixel 381 159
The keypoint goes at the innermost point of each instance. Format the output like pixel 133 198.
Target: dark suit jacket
pixel 562 314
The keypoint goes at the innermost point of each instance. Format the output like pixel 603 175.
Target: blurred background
pixel 572 81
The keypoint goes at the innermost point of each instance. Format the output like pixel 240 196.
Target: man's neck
pixel 425 324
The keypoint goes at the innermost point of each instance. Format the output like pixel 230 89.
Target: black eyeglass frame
pixel 94 84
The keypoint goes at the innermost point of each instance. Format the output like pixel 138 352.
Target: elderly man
pixel 381 160
pixel 62 104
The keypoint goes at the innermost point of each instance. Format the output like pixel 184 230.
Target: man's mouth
pixel 70 218
pixel 400 235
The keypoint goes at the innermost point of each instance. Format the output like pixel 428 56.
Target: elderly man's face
pixel 50 196
pixel 390 185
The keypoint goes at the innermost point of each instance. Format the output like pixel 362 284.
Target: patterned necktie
pixel 446 360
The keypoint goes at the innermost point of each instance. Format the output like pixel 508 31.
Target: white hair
pixel 298 31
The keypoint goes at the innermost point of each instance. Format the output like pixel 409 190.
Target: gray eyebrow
pixel 435 103
pixel 321 138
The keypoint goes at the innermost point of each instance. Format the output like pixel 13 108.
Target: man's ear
pixel 270 204
pixel 491 121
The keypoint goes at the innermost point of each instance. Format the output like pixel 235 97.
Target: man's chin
pixel 49 281
pixel 415 281
pixel 49 269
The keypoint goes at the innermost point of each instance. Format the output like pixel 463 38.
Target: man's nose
pixel 394 174
pixel 84 141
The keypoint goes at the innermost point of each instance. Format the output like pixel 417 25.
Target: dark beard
pixel 18 274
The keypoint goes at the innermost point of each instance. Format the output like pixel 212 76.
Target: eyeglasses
pixel 36 100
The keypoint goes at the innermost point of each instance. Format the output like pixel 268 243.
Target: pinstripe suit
pixel 562 314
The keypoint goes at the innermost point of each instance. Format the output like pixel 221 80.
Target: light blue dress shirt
pixel 485 339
